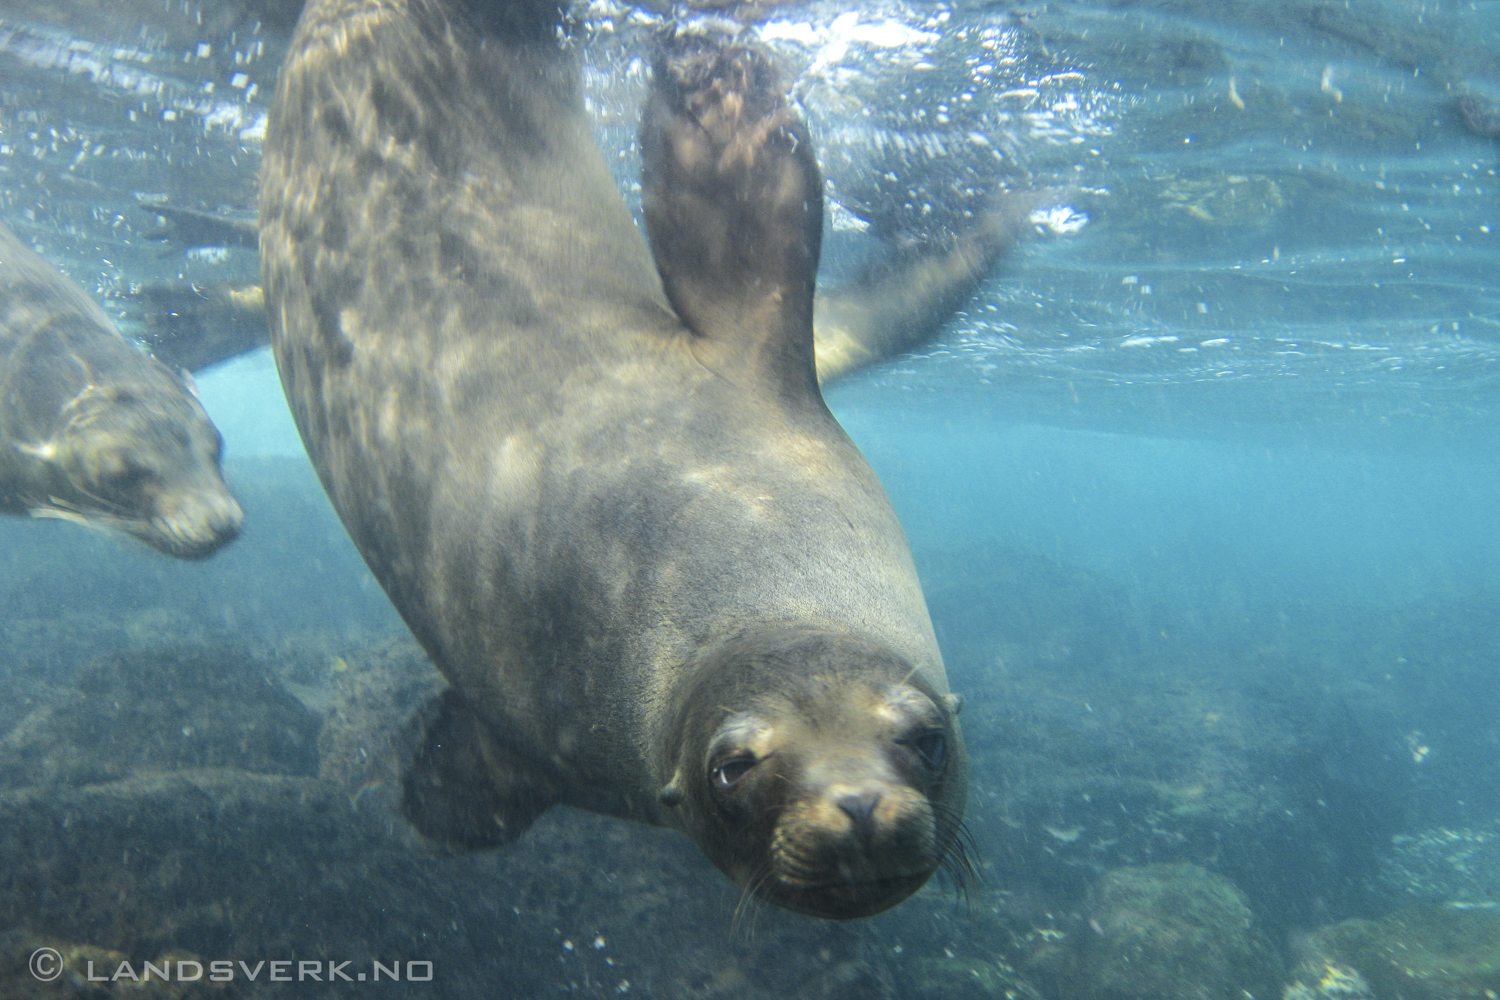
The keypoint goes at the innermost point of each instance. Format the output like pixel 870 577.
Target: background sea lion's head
pixel 820 771
pixel 143 457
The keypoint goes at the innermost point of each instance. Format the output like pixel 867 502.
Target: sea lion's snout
pixel 858 833
pixel 195 525
pixel 852 844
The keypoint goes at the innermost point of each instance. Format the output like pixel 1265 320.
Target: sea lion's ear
pixel 671 793
pixel 734 207
pixel 955 703
pixel 460 788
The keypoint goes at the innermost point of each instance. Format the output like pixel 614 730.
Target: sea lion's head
pixel 142 458
pixel 820 771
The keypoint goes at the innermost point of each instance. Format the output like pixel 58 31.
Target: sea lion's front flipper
pixel 734 207
pixel 900 303
pixel 462 789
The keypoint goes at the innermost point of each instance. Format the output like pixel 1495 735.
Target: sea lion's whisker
pixel 749 902
pixel 104 505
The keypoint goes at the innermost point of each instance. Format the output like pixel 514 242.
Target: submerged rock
pixel 32 967
pixel 372 695
pixel 185 707
pixel 1325 980
pixel 970 979
pixel 1169 932
pixel 1423 953
pixel 1443 865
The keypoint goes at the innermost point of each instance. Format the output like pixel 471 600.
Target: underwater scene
pixel 1194 448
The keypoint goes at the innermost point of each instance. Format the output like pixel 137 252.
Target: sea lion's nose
pixel 215 516
pixel 860 808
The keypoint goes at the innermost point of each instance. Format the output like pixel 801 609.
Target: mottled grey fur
pixel 93 429
pixel 576 495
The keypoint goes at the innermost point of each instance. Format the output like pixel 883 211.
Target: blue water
pixel 1296 388
pixel 1244 370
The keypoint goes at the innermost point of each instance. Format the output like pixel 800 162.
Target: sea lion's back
pixel 446 259
pixel 413 211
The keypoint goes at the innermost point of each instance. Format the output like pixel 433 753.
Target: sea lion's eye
pixel 932 748
pixel 125 479
pixel 727 774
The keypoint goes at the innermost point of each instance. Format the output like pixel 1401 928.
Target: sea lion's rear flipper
pixel 734 207
pixel 900 303
pixel 192 327
pixel 462 789
pixel 189 227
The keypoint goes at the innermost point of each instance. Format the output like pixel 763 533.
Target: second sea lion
pixel 94 430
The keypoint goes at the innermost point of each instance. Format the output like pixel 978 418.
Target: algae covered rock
pixel 33 967
pixel 1424 953
pixel 372 696
pixel 188 706
pixel 1172 932
pixel 1320 979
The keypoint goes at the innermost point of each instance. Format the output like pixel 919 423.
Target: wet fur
pixel 93 429
pixel 577 495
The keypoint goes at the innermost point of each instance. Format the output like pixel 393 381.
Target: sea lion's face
pixel 838 797
pixel 146 462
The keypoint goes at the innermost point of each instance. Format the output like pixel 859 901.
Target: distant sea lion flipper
pixel 733 206
pixel 193 327
pixel 194 228
pixel 902 301
pixel 460 788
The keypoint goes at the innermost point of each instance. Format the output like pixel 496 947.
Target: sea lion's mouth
pixel 842 899
pixel 176 537
pixel 832 873
pixel 195 529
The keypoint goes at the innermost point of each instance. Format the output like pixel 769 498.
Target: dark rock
pixel 363 743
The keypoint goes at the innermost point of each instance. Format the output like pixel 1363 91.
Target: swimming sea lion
pixel 93 429
pixel 196 228
pixel 612 505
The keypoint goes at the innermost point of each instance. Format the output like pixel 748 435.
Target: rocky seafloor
pixel 197 765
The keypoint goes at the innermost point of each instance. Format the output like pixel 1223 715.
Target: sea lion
pixel 194 227
pixel 607 497
pixel 93 429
